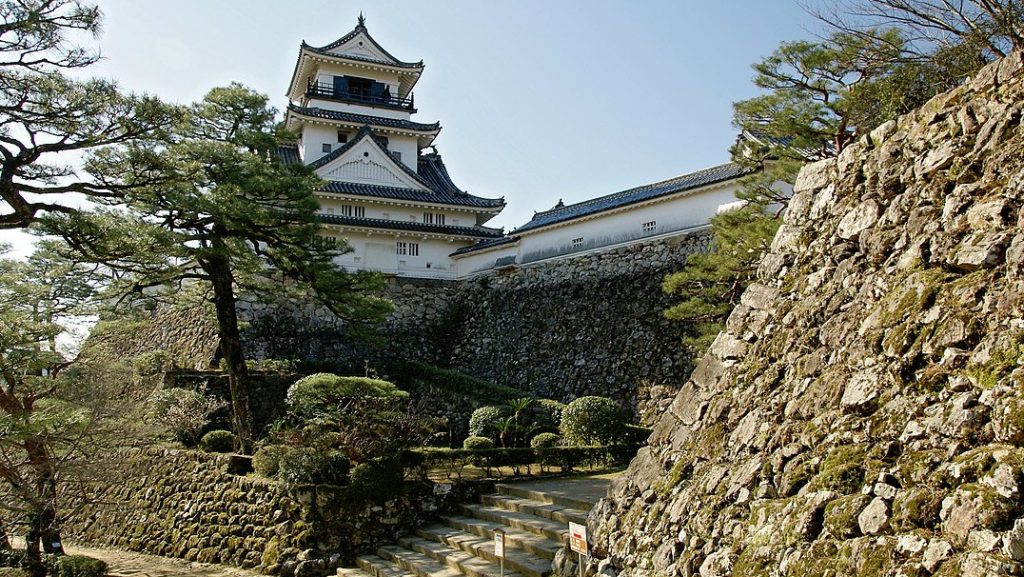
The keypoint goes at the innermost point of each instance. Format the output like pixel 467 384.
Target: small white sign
pixel 578 538
pixel 499 545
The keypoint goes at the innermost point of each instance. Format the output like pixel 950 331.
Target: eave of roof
pixel 648 192
pixel 485 245
pixel 361 27
pixel 434 177
pixel 470 202
pixel 413 69
pixel 417 227
pixel 364 119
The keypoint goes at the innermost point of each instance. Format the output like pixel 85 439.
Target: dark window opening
pixel 342 137
pixel 359 87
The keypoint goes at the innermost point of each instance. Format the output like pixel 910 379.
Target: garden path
pixel 130 564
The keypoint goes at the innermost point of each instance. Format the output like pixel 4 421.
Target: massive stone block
pixel 869 424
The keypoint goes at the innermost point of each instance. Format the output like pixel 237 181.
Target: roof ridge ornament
pixel 362 20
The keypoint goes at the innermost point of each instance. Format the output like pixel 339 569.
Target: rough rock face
pixel 862 413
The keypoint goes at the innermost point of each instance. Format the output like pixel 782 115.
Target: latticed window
pixel 577 242
pixel 350 210
pixel 433 218
pixel 407 248
pixel 649 226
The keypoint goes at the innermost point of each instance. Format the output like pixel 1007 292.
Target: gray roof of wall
pixel 713 175
pixel 490 243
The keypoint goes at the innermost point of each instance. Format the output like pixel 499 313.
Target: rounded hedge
pixel 545 415
pixel 473 443
pixel 14 572
pixel 322 392
pixel 218 441
pixel 593 421
pixel 544 440
pixel 377 477
pixel 308 465
pixel 267 460
pixel 484 422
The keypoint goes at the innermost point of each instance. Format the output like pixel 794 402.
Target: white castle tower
pixel 388 195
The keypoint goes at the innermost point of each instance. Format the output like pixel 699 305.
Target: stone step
pixel 377 567
pixel 416 562
pixel 354 572
pixel 516 560
pixel 524 521
pixel 455 559
pixel 535 544
pixel 559 498
pixel 551 511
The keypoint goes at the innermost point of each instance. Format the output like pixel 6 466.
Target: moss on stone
pixel 824 558
pixel 753 562
pixel 916 509
pixel 842 470
pixel 680 471
pixel 915 467
pixel 841 516
pixel 795 476
pixel 1001 362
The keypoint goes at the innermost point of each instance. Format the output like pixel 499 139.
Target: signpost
pixel 499 549
pixel 578 542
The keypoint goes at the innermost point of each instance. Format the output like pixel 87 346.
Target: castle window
pixel 342 136
pixel 433 218
pixel 649 226
pixel 407 248
pixel 577 242
pixel 397 155
pixel 349 210
pixel 325 147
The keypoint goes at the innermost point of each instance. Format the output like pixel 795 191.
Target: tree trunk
pixel 44 529
pixel 219 270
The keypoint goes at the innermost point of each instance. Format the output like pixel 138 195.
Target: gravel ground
pixel 127 563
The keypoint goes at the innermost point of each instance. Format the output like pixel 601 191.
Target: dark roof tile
pixel 361 27
pixel 287 153
pixel 490 243
pixel 364 119
pixel 474 231
pixel 647 192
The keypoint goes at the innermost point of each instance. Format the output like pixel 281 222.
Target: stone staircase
pixel 533 515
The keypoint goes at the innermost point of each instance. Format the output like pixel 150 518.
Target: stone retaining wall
pixel 186 504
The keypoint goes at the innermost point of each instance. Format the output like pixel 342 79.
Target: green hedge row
pixel 454 461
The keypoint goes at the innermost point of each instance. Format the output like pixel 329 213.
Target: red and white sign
pixel 578 538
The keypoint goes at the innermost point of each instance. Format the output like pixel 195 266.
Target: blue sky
pixel 539 100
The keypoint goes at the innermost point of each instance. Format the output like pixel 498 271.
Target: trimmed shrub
pixel 307 465
pixel 14 572
pixel 544 440
pixel 378 477
pixel 485 421
pixel 322 393
pixel 545 415
pixel 477 443
pixel 74 566
pixel 183 412
pixel 218 441
pixel 267 460
pixel 593 421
